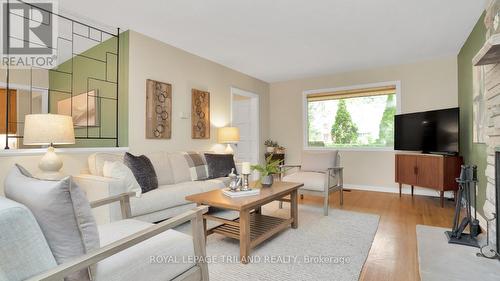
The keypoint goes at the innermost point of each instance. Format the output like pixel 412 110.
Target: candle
pixel 245 168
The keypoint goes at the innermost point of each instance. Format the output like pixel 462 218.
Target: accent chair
pixel 321 173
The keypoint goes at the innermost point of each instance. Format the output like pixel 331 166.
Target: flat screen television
pixel 434 131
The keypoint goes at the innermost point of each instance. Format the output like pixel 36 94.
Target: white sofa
pixel 166 201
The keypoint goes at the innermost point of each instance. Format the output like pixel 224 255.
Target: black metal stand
pixel 467 184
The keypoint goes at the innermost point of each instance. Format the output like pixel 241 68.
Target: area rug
pixel 322 248
pixel 439 260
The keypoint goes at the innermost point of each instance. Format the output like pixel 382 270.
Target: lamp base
pixel 229 149
pixel 50 166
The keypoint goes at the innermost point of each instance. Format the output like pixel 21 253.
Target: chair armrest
pixel 124 199
pixel 332 172
pixel 290 166
pixel 99 187
pixel 62 270
pixel 336 168
pixel 284 168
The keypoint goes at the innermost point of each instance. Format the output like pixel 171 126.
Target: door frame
pixel 255 104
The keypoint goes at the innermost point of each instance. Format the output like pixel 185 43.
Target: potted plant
pixel 270 145
pixel 267 171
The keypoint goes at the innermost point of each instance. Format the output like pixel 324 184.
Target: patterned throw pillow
pixel 219 165
pixel 143 171
pixel 197 166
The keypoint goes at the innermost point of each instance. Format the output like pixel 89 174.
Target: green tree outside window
pixel 344 131
pixel 386 129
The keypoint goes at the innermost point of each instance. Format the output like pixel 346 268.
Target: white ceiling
pixel 277 40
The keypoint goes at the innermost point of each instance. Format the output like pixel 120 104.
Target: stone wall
pixel 492 98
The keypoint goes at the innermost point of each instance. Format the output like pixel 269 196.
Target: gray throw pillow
pixel 62 212
pixel 219 165
pixel 143 170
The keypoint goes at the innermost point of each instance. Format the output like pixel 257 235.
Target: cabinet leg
pixel 400 185
pixel 441 194
pixel 412 187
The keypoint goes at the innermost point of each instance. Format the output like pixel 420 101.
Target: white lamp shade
pixel 228 135
pixel 44 129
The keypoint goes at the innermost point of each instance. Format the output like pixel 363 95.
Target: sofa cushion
pixel 24 252
pixel 96 161
pixel 311 180
pixel 198 168
pixel 62 212
pixel 162 167
pixel 143 170
pixel 168 196
pixel 118 170
pixel 318 160
pixel 219 165
pixel 137 262
pixel 180 168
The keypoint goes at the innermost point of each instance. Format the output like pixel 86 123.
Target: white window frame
pixel 305 130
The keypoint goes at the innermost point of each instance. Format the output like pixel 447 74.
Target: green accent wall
pixel 103 68
pixel 473 153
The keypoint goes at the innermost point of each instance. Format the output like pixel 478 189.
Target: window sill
pixel 80 150
pixel 367 149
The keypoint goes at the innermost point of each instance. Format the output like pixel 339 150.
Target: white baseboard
pixel 393 189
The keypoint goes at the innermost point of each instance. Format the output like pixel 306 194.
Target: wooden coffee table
pixel 252 227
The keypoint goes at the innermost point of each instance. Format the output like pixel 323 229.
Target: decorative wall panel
pixel 158 110
pixel 200 114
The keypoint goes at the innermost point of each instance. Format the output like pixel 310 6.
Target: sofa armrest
pixel 97 188
pixel 195 216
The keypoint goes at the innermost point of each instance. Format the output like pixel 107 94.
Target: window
pixel 354 117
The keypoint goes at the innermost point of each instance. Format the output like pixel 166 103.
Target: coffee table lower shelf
pixel 262 227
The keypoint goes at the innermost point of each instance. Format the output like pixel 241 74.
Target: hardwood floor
pixel 393 255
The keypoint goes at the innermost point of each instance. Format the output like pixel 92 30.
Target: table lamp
pixel 49 129
pixel 228 135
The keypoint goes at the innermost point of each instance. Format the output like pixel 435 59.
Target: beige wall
pixel 151 59
pixel 424 86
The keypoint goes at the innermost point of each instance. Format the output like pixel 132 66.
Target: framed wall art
pixel 200 114
pixel 158 110
pixel 84 109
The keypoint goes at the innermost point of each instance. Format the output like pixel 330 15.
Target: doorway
pixel 245 116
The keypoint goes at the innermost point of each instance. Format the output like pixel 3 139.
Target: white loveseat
pixel 168 200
